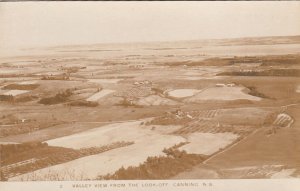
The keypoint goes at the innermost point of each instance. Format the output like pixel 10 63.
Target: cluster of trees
pixel 58 77
pixel 207 62
pixel 271 72
pixel 58 98
pixel 161 167
pixel 84 103
pixel 253 91
pixel 281 60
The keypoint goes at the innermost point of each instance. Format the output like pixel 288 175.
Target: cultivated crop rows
pixel 197 126
pixel 205 113
pixel 208 126
pixel 135 92
pixel 282 120
pixel 35 164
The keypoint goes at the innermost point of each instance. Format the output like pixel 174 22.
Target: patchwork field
pixel 187 110
pixel 143 138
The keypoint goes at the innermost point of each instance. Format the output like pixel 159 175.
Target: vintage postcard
pixel 150 96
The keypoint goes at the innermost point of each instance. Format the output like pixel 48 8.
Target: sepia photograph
pixel 147 95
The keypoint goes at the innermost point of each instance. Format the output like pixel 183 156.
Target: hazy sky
pixel 31 24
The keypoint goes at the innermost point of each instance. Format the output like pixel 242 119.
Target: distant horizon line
pixel 159 41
